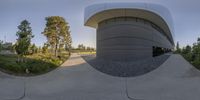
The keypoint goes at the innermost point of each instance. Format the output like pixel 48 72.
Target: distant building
pixel 7 45
pixel 7 48
pixel 130 31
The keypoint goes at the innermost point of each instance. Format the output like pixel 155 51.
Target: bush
pixel 196 63
pixel 35 66
pixel 36 63
pixel 13 67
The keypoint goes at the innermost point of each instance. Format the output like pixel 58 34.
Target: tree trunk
pixel 69 51
pixel 18 58
pixel 56 50
pixel 22 58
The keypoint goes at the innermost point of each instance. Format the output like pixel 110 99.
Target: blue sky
pixel 185 13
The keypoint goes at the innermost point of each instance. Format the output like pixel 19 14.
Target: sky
pixel 185 14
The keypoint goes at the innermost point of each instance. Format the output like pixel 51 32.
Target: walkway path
pixel 176 79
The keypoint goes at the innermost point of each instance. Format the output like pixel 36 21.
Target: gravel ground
pixel 125 68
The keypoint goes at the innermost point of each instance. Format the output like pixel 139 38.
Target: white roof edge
pixel 155 8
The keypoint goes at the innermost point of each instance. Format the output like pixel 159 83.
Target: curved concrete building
pixel 130 31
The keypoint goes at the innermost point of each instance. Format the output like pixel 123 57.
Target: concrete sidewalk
pixel 176 79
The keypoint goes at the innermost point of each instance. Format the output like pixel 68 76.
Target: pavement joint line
pixel 126 91
pixel 21 97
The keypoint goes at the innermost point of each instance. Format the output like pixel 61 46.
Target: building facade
pixel 130 31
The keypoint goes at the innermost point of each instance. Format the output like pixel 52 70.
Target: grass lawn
pixel 36 64
pixel 88 52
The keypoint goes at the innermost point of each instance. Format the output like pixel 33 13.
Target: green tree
pixel 81 47
pixel 1 45
pixel 192 53
pixel 88 48
pixel 196 53
pixel 33 49
pixel 178 50
pixel 187 49
pixel 57 33
pixel 68 45
pixel 39 49
pixel 24 35
pixel 45 48
pixel 187 53
pixel 198 41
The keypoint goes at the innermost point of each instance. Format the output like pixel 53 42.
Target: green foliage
pixel 196 63
pixel 34 66
pixel 187 50
pixel 33 49
pixel 192 54
pixel 45 48
pixel 37 63
pixel 38 59
pixel 22 46
pixel 83 48
pixel 178 50
pixel 8 62
pixel 1 45
pixel 24 35
pixel 5 46
pixel 57 33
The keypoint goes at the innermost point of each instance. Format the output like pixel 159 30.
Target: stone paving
pixel 126 68
pixel 175 79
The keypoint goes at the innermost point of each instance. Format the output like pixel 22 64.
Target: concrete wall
pixel 128 40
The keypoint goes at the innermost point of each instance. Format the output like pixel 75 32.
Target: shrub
pixel 36 63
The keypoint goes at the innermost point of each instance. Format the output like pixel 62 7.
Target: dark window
pixel 157 51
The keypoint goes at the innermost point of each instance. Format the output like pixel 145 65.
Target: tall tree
pixel 178 50
pixel 81 47
pixel 24 35
pixel 57 33
pixel 198 41
pixel 196 50
pixel 33 49
pixel 1 45
pixel 45 48
pixel 188 49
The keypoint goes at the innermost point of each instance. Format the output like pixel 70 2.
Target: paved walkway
pixel 176 79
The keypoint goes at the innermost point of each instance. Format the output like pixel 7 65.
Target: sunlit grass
pixel 36 64
pixel 87 53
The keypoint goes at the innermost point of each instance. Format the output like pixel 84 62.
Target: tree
pixel 187 53
pixel 88 48
pixel 45 48
pixel 196 50
pixel 57 33
pixel 1 45
pixel 198 41
pixel 24 35
pixel 81 47
pixel 187 49
pixel 68 45
pixel 33 49
pixel 39 49
pixel 192 53
pixel 178 50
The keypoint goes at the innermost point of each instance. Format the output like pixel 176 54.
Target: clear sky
pixel 185 13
